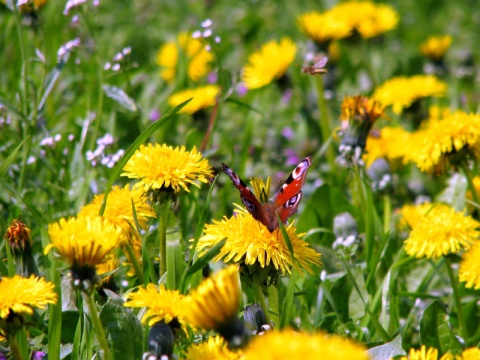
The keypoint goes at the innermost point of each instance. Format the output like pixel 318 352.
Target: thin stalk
pixel 325 122
pixel 162 236
pixel 14 348
pixel 136 265
pixel 97 326
pixel 387 212
pixel 260 298
pixel 456 298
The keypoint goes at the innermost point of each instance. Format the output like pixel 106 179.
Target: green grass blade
pixel 8 161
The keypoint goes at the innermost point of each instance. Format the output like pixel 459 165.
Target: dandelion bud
pixel 161 340
pixel 20 242
pixel 255 319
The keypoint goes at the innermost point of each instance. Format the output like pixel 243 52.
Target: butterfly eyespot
pixel 291 203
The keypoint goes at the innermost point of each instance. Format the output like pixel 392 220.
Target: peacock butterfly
pixel 284 202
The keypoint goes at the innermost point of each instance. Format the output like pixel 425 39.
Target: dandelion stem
pixel 456 298
pixel 162 236
pixel 97 326
pixel 387 212
pixel 260 298
pixel 325 123
pixel 136 265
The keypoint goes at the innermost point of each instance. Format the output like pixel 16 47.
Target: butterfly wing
pixel 288 197
pixel 248 198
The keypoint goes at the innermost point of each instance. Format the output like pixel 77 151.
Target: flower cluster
pixel 363 17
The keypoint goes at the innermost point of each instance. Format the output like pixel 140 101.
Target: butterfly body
pixel 284 202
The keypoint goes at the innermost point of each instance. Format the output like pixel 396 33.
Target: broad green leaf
pixel 435 330
pixel 356 305
pixel 124 329
pixel 387 350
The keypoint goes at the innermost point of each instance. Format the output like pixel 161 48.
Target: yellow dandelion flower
pixel 292 345
pixel 436 113
pixel 389 143
pixel 213 305
pixel 439 142
pixel 401 92
pixel 163 167
pixel 119 210
pixel 422 354
pixel 469 271
pixel 427 354
pixel 412 214
pixel 20 295
pixel 269 63
pixel 197 58
pixel 471 354
pixel 109 264
pixel 202 97
pixel 435 47
pixel 84 241
pixel 162 305
pixel 250 242
pixel 365 17
pixel 440 232
pixel 323 27
pixel 215 348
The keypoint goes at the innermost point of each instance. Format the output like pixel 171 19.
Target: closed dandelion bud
pixel 20 242
pixel 254 317
pixel 161 340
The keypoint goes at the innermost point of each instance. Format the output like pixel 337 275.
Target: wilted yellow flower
pixel 162 305
pixel 269 63
pixel 215 348
pixel 119 209
pixel 84 241
pixel 388 143
pixel 412 214
pixel 450 140
pixel 292 345
pixel 20 295
pixel 250 242
pixel 213 305
pixel 163 167
pixel 323 27
pixel 31 5
pixel 202 98
pixel 440 232
pixel 197 58
pixel 359 113
pixel 18 236
pixel 435 47
pixel 401 92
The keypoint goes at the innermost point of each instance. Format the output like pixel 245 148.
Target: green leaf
pixel 205 259
pixel 8 161
pixel 287 308
pixel 175 258
pixel 120 97
pixel 124 329
pixel 356 305
pixel 387 350
pixel 435 330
